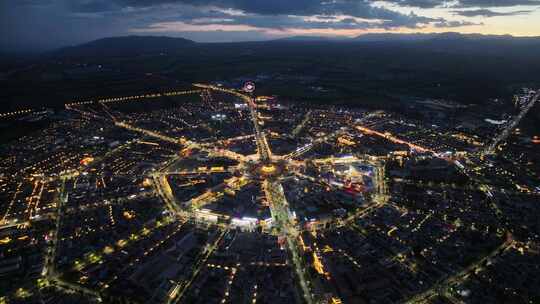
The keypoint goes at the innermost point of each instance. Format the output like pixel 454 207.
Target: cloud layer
pixel 49 23
pixel 489 13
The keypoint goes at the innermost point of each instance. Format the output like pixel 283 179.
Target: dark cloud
pixel 47 23
pixel 284 22
pixel 447 24
pixel 462 3
pixel 93 6
pixel 264 7
pixel 39 25
pixel 274 13
pixel 419 3
pixel 489 13
pixel 355 8
pixel 496 3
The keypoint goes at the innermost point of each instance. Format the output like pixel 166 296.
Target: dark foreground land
pixel 378 74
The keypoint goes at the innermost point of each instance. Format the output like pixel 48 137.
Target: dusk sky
pixel 45 24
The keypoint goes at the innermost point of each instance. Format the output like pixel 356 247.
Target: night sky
pixel 31 25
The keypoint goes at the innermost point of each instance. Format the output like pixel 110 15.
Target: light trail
pixel 394 139
pixel 147 132
pixel 279 207
pixel 49 268
pixel 307 147
pixel 200 263
pixel 504 135
pixel 301 125
pixel 142 96
pixel 12 201
pixel 281 215
pixel 438 287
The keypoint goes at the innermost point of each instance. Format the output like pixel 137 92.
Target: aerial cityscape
pixel 275 158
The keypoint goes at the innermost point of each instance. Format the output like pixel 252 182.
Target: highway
pixel 279 207
pixel 230 169
pixel 61 200
pixel 129 98
pixel 201 262
pixel 313 143
pixel 147 132
pixel 469 172
pixel 207 147
pixel 511 126
pixel 49 268
pixel 262 144
pixel 165 192
pixel 394 139
pixel 285 227
pixel 439 287
pixel 85 113
pixel 319 140
pixel 212 151
pixel 301 125
pixel 226 141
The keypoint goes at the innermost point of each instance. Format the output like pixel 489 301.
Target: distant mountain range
pixel 440 42
pixel 312 38
pixel 125 45
pixel 144 45
pixel 383 37
pixel 375 37
pixel 402 37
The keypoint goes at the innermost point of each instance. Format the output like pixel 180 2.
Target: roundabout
pixel 268 170
pixel 359 176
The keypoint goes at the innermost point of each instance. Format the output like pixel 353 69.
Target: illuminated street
pixel 230 197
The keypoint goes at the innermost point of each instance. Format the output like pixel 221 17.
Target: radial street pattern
pixel 233 198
